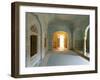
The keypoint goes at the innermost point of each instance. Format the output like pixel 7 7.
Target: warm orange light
pixel 61 43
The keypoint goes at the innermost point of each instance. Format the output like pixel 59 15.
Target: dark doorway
pixel 33 45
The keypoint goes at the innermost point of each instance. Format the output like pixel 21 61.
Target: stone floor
pixel 61 58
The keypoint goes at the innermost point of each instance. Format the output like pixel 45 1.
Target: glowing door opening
pixel 61 42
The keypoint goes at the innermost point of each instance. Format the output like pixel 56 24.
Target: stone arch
pixel 85 38
pixel 33 28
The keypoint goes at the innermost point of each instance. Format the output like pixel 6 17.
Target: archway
pixel 33 40
pixel 85 39
pixel 60 41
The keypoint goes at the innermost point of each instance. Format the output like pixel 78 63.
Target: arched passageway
pixel 60 41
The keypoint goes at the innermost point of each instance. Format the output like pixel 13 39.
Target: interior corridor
pixel 57 39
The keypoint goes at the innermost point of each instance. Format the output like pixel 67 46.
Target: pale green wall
pixel 78 34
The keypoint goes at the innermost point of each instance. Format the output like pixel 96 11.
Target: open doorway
pixel 60 41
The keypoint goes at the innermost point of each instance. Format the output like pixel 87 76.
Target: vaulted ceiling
pixel 76 20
